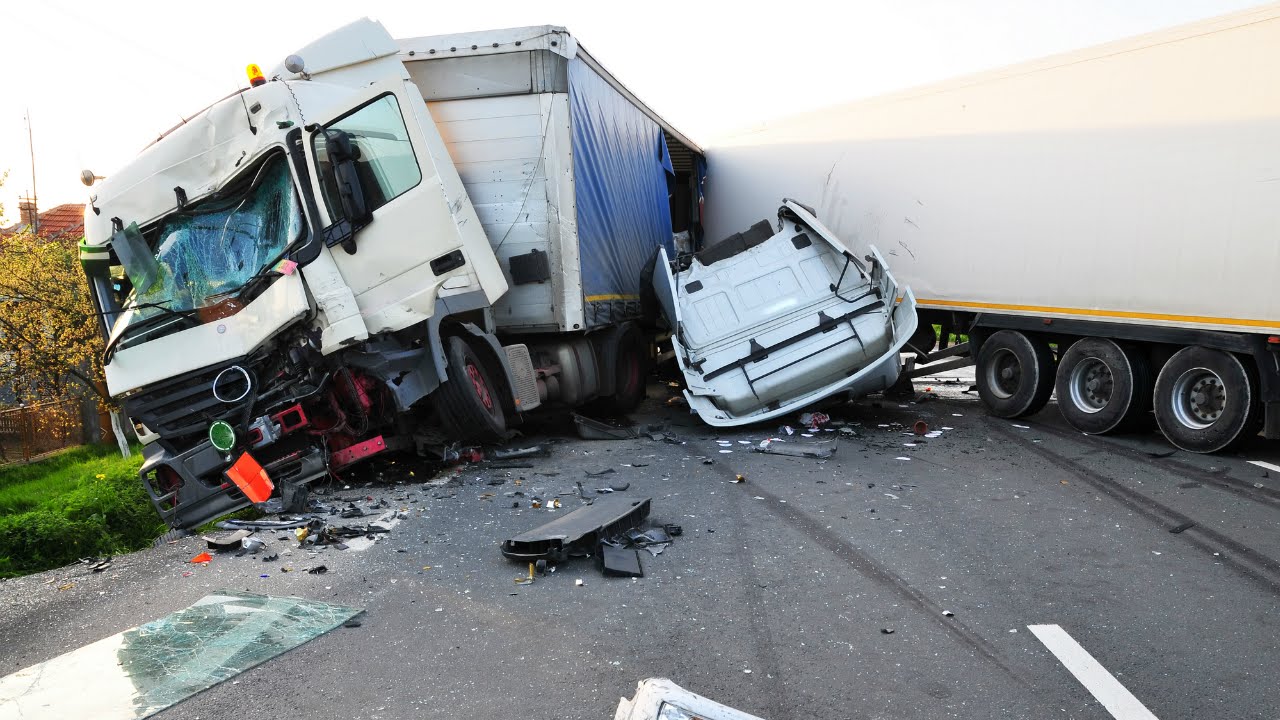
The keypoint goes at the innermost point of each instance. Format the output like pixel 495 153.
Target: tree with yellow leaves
pixel 50 342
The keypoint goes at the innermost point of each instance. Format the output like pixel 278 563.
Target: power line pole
pixel 35 196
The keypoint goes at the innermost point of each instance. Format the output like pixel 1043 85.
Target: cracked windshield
pixel 206 254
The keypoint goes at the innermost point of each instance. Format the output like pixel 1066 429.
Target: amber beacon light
pixel 256 77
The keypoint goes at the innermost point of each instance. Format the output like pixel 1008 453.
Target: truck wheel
pixel 1102 387
pixel 630 369
pixel 468 400
pixel 1207 400
pixel 1015 374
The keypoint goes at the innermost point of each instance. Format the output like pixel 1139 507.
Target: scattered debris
pixel 1182 528
pixel 887 631
pixel 318 570
pixel 920 427
pixel 739 478
pixel 202 558
pixel 600 472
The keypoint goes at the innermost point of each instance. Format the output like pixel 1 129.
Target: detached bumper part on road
pixel 661 699
pixel 766 323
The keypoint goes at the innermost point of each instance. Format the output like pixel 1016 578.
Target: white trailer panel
pixel 1134 182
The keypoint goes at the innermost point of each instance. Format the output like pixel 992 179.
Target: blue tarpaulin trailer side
pixel 621 166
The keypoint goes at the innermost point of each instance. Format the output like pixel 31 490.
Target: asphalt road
pixel 777 597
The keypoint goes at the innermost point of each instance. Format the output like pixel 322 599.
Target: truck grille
pixel 187 405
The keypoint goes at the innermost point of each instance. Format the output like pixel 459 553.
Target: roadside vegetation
pixel 83 502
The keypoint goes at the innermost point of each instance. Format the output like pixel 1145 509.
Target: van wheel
pixel 468 400
pixel 1207 400
pixel 1103 388
pixel 1015 374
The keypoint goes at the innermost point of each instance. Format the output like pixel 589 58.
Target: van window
pixel 384 157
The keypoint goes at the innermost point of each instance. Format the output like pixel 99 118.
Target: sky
pixel 103 79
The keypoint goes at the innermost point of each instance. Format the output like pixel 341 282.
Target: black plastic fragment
pixel 620 562
pixel 579 532
pixel 1182 528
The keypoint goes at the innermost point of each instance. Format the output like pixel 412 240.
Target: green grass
pixel 953 338
pixel 83 502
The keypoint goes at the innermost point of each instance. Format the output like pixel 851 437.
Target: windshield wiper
pixel 167 313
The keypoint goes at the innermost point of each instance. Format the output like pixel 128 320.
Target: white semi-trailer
pixel 416 242
pixel 1106 222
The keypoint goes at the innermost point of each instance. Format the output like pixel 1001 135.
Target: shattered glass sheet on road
pixel 143 670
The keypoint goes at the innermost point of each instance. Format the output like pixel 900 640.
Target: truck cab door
pixel 400 226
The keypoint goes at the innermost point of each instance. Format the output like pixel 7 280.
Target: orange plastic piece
pixel 252 480
pixel 203 557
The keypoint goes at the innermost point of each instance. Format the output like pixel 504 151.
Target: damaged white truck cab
pixel 769 321
pixel 393 243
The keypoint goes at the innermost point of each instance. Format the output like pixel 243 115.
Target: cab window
pixel 383 156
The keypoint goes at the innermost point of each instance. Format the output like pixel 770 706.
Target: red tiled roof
pixel 62 221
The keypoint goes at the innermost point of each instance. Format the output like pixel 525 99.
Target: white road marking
pixel 1265 465
pixel 1101 684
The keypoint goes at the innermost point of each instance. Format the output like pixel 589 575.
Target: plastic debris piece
pixel 252 544
pixel 920 427
pixel 814 420
pixel 318 570
pixel 579 582
pixel 202 558
pixel 887 631
pixel 620 562
pixel 252 480
pixel 598 473
pixel 1182 528
pixel 271 558
pixel 948 613
pixel 739 478
pixel 227 542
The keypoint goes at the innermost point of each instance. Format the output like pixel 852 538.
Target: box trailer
pixel 1103 222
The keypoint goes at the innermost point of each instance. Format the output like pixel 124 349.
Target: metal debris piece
pixel 526 452
pixel 589 429
pixel 661 699
pixel 819 450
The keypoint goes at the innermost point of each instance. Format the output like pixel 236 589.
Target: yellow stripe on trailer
pixel 598 298
pixel 1119 314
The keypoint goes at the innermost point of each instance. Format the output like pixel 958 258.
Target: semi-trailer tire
pixel 1015 374
pixel 1207 400
pixel 1103 388
pixel 468 400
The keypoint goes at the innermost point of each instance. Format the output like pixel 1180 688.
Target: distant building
pixel 64 222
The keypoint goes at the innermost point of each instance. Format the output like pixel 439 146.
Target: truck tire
pixel 468 401
pixel 1015 374
pixel 630 369
pixel 1103 388
pixel 1207 400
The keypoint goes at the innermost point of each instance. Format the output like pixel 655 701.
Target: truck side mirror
pixel 343 153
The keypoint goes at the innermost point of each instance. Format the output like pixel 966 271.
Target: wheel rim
pixel 1199 398
pixel 1004 373
pixel 1091 385
pixel 479 385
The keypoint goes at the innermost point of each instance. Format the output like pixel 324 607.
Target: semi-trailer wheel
pixel 1102 387
pixel 1015 373
pixel 630 368
pixel 468 400
pixel 1207 400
